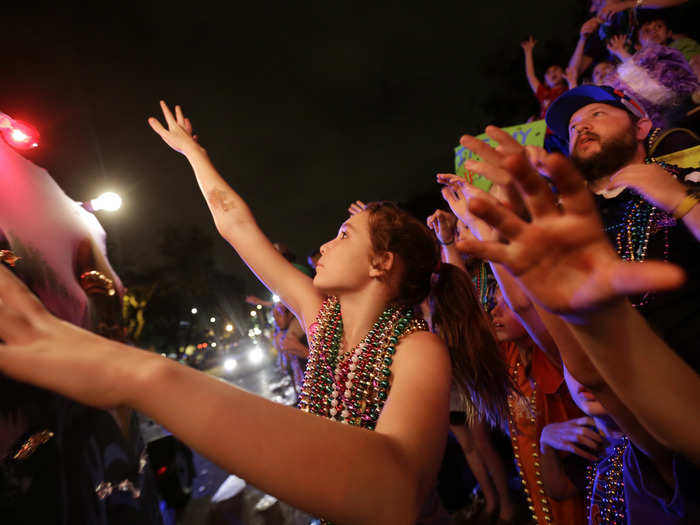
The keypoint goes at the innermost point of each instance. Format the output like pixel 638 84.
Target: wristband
pixel 687 204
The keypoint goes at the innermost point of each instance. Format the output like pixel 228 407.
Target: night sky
pixel 303 106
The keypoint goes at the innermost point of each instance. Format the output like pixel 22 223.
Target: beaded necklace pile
pixel 610 485
pixel 640 220
pixel 351 387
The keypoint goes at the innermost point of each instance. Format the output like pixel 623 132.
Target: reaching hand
pixel 356 207
pixel 44 351
pixel 179 133
pixel 457 193
pixel 444 224
pixel 589 27
pixel 611 8
pixel 571 76
pixel 528 45
pixel 652 182
pixel 570 435
pixel 617 45
pixel 562 257
pixel 491 163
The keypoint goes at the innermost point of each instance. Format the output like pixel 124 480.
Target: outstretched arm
pixel 444 225
pixel 564 260
pixel 579 62
pixel 344 473
pixel 236 223
pixel 528 46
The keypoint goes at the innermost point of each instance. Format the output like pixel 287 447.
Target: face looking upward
pixel 603 139
pixel 345 263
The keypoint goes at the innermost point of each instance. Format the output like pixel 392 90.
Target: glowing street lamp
pixel 253 313
pixel 108 201
pixel 212 319
pixel 194 311
pixel 229 327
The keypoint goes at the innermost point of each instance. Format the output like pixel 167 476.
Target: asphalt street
pixel 221 499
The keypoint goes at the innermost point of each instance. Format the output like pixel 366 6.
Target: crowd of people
pixel 629 46
pixel 559 309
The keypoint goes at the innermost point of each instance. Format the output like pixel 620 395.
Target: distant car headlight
pixel 230 364
pixel 256 355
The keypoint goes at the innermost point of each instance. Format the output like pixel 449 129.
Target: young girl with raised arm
pixel 372 364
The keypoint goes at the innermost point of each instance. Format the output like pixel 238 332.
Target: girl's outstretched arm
pixel 344 473
pixel 236 223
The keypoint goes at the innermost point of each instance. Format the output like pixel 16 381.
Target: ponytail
pixel 478 365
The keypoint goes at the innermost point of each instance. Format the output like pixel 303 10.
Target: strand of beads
pixel 612 508
pixel 535 495
pixel 324 347
pixel 352 387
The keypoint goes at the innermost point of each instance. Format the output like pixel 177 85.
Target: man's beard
pixel 614 154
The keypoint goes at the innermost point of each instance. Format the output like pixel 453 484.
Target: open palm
pixel 561 256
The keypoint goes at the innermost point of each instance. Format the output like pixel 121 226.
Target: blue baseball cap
pixel 560 111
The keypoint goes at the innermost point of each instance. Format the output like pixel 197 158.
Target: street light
pixel 259 307
pixel 229 327
pixel 253 313
pixel 212 319
pixel 108 201
pixel 194 311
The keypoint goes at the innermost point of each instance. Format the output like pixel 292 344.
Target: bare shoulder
pixel 422 341
pixel 423 349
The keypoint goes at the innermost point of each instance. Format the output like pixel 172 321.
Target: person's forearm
pixel 343 473
pixel 657 4
pixel 236 224
pixel 229 210
pixel 530 71
pixel 450 254
pixel 692 221
pixel 525 311
pixel 651 380
pixel 575 60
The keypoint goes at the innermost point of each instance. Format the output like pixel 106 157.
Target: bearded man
pixel 649 208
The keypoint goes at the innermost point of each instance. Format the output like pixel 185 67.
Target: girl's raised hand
pixel 179 133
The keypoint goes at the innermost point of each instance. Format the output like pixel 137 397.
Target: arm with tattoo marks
pixel 236 223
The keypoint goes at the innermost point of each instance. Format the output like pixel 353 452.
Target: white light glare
pixel 229 327
pixel 212 319
pixel 259 307
pixel 108 201
pixel 230 364
pixel 256 355
pixel 194 311
pixel 257 331
pixel 213 345
pixel 275 298
pixel 253 313
pixel 19 136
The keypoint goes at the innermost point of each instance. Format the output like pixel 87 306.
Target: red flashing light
pixel 162 470
pixel 19 134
